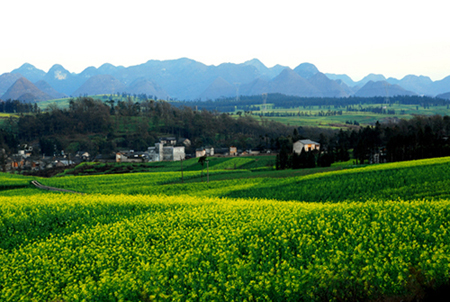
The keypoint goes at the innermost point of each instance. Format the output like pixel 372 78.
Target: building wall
pixel 210 151
pixel 298 146
pixel 233 151
pixel 200 153
pixel 179 153
pixel 168 153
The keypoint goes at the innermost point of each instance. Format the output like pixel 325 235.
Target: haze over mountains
pixel 186 79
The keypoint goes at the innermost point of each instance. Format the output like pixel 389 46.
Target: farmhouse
pixel 233 151
pixel 306 144
pixel 82 155
pixel 208 151
pixel 168 153
pixel 168 141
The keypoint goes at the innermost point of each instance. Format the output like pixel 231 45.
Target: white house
pixel 168 141
pixel 306 144
pixel 169 153
pixel 208 151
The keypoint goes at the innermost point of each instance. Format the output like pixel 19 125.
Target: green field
pixel 374 233
pixel 339 121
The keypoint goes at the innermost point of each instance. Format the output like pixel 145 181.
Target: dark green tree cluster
pixel 84 115
pixel 15 106
pixel 292 160
pixel 8 141
pixel 287 159
pixel 418 138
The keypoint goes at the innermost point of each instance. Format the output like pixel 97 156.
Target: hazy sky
pixel 393 38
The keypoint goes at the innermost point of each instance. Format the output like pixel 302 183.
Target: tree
pixel 202 160
pixel 310 160
pixel 283 155
pixel 295 159
pixel 325 159
pixel 3 159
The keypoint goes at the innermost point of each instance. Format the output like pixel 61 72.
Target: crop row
pixel 132 183
pixel 406 180
pixel 11 181
pixel 128 248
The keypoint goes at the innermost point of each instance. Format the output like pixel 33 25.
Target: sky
pixel 393 38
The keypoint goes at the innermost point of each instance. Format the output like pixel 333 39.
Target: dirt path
pixel 42 187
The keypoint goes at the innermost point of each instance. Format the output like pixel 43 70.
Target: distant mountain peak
pixel 30 72
pixel 108 68
pixel 381 88
pixel 329 88
pixel 27 66
pixel 58 72
pixel 219 88
pixel 255 62
pixel 371 77
pixel 291 83
pixel 100 84
pixel 306 70
pixel 145 86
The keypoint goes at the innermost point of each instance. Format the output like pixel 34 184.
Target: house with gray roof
pixel 306 144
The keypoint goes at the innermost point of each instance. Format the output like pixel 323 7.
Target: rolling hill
pixel 381 88
pixel 100 84
pixel 46 88
pixel 144 86
pixel 7 80
pixel 24 90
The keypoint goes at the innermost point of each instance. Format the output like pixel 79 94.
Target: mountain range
pixel 186 79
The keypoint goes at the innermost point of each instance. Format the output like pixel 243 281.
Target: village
pixel 167 149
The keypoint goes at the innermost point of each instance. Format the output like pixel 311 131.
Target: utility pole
pixel 181 161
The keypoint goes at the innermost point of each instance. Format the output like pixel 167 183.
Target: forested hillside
pixel 99 127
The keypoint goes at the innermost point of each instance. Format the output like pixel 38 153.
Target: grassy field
pixel 61 103
pixel 339 121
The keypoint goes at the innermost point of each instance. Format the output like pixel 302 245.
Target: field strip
pixel 42 187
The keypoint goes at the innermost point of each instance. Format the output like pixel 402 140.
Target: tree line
pixel 418 138
pixel 286 101
pixel 15 106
